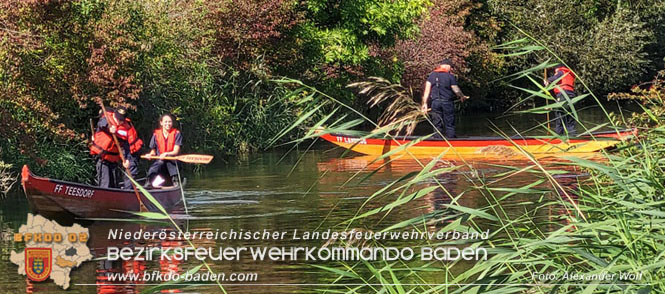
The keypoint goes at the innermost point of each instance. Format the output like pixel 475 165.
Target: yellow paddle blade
pixel 188 158
pixel 195 158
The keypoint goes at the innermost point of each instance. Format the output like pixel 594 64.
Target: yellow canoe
pixel 480 146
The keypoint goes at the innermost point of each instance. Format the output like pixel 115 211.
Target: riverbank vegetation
pixel 580 226
pixel 211 62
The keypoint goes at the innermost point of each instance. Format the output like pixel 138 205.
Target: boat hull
pixel 479 146
pixel 55 198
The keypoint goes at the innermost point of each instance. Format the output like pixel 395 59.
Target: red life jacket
pixel 165 144
pixel 102 145
pixel 567 82
pixel 440 69
pixel 102 142
pixel 126 131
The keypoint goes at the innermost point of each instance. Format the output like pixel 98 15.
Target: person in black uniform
pixel 441 86
pixel 564 122
pixel 104 149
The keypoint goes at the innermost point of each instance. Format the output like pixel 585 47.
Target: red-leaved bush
pixel 249 29
pixel 442 35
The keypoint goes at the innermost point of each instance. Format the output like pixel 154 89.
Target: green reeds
pixel 7 178
pixel 602 232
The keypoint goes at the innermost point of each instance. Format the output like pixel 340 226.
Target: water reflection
pixel 308 192
pixel 439 199
pixel 170 267
pixel 107 268
pixel 472 184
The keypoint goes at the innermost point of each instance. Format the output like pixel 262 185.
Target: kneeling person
pixel 166 141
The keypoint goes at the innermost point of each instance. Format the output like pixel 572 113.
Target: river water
pixel 293 193
pixel 299 192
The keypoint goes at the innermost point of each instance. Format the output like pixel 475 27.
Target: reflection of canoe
pixel 480 146
pixel 55 198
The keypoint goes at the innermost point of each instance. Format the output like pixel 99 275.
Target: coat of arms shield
pixel 38 263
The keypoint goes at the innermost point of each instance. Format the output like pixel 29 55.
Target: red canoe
pixel 55 198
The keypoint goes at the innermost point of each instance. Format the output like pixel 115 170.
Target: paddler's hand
pixel 464 98
pixel 125 163
pixel 162 156
pixel 112 129
pixel 423 108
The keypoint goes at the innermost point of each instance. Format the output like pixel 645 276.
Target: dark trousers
pixel 165 167
pixel 133 170
pixel 106 173
pixel 564 122
pixel 443 117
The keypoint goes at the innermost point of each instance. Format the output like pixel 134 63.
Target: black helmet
pixel 446 61
pixel 120 113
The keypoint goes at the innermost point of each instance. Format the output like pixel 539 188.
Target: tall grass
pixel 610 222
pixel 7 178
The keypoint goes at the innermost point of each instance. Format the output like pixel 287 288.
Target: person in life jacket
pixel 108 156
pixel 440 89
pixel 564 122
pixel 165 141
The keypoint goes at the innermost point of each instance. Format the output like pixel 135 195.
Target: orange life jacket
pixel 126 131
pixel 102 145
pixel 567 82
pixel 102 142
pixel 440 69
pixel 165 144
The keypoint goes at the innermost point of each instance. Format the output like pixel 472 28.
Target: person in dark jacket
pixel 114 123
pixel 564 122
pixel 441 88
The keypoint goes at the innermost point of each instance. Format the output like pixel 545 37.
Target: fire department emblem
pixel 38 263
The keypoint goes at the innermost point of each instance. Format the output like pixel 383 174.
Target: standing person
pixel 165 141
pixel 108 156
pixel 440 86
pixel 127 132
pixel 564 122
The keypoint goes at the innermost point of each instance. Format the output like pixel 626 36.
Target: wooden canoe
pixel 61 199
pixel 474 147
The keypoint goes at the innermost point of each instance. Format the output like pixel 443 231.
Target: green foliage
pixel 653 14
pixel 48 149
pixel 341 40
pixel 650 98
pixel 366 21
pixel 624 36
pixel 451 30
pixel 153 57
pixel 605 43
pixel 339 45
pixel 209 62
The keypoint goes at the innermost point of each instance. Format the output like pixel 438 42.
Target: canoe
pixel 474 147
pixel 61 199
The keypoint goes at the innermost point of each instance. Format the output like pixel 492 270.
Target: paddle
pixel 188 158
pixel 92 129
pixel 122 157
pixel 546 100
